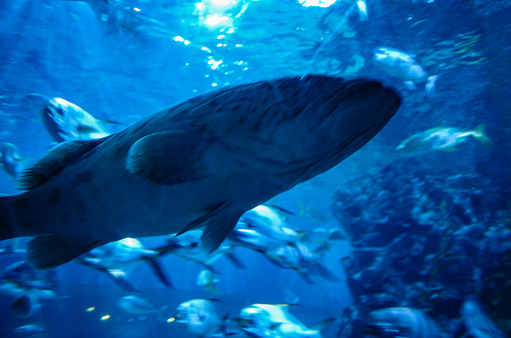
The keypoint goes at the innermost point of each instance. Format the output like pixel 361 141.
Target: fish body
pixel 273 321
pixel 362 10
pixel 188 246
pixel 402 322
pixel 29 330
pixel 477 322
pixel 269 222
pixel 440 138
pixel 207 279
pixel 20 279
pixel 28 287
pixel 403 66
pixel 11 159
pixel 65 121
pixel 262 229
pixel 301 257
pixel 119 254
pixel 115 258
pixel 200 317
pixel 136 305
pixel 202 163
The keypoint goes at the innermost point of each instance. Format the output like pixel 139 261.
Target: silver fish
pixel 116 257
pixel 266 320
pixel 11 159
pixel 405 67
pixel 200 317
pixel 189 247
pixel 477 322
pixel 136 305
pixel 30 330
pixel 403 322
pixel 202 163
pixel 65 121
pixel 441 138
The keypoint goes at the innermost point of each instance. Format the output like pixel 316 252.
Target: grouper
pixel 199 164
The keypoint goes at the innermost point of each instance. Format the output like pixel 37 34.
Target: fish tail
pixel 480 135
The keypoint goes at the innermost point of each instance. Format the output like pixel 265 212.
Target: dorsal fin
pixel 54 161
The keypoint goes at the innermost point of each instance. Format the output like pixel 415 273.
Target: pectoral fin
pixel 219 223
pixel 168 158
pixel 217 230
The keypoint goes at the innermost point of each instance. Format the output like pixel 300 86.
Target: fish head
pixel 299 126
pixel 253 318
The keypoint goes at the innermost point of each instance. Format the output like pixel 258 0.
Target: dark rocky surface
pixel 427 239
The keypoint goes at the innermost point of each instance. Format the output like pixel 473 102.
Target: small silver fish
pixel 441 138
pixel 199 317
pixel 65 121
pixel 11 159
pixel 362 10
pixel 136 305
pixel 202 163
pixel 20 279
pixel 275 321
pixel 188 246
pixel 29 330
pixel 207 278
pixel 117 257
pixel 402 322
pixel 478 324
pixel 404 66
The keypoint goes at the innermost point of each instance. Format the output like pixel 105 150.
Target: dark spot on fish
pixel 95 193
pixel 81 207
pixel 242 120
pixel 85 177
pixel 64 217
pixel 257 126
pixel 107 185
pixel 22 204
pixel 82 178
pixel 54 196
pixel 103 209
pixel 120 153
pixel 237 107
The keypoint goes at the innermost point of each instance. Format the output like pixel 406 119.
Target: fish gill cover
pixel 414 228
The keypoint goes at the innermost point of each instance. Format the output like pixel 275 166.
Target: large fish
pixel 202 163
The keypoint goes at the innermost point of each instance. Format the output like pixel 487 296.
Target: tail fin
pixel 480 135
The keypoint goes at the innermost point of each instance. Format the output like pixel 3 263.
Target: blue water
pixel 123 60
